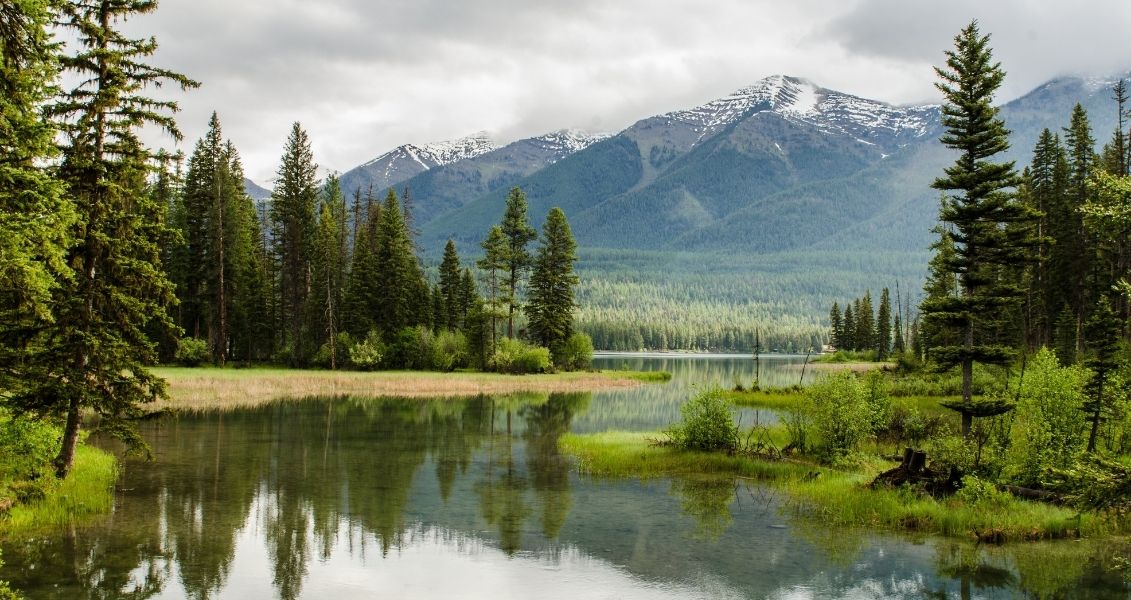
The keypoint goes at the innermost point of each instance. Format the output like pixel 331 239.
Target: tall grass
pixel 87 491
pixel 207 389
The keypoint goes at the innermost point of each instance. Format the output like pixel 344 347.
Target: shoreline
pixel 199 389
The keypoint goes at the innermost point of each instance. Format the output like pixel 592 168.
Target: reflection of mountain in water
pixel 347 498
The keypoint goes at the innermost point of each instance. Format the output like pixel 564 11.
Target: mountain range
pixel 775 169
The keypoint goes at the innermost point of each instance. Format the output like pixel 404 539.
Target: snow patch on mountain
pixel 801 100
pixel 564 142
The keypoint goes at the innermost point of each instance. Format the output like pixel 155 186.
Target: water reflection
pixel 471 498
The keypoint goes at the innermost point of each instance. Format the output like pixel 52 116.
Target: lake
pixel 344 498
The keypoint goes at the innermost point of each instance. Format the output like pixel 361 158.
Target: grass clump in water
pixel 87 491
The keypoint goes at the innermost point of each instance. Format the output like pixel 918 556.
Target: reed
pixel 212 388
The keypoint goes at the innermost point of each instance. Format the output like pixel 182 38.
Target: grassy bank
pixel 787 399
pixel 211 388
pixel 87 491
pixel 841 497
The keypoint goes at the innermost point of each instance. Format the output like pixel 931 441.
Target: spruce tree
pixel 883 326
pixel 1104 331
pixel 849 335
pixel 518 234
pixel 36 218
pixel 397 276
pixel 93 358
pixel 328 277
pixel 450 287
pixel 494 264
pixel 551 303
pixel 836 325
pixel 1077 248
pixel 979 203
pixel 865 323
pixel 293 203
pixel 359 304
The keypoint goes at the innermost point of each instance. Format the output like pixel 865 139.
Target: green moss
pixel 87 491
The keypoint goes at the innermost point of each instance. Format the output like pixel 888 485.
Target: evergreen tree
pixel 979 205
pixel 849 334
pixel 865 323
pixel 551 303
pixel 359 304
pixel 494 264
pixel 93 358
pixel 518 234
pixel 1104 333
pixel 468 297
pixel 328 259
pixel 1078 250
pixel 450 288
pixel 1044 191
pixel 883 326
pixel 836 324
pixel 36 218
pixel 249 329
pixel 397 274
pixel 292 226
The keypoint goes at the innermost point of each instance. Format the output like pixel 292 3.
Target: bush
pixel 411 349
pixel 1049 429
pixel 342 343
pixel 515 356
pixel 982 494
pixel 367 354
pixel 449 351
pixel 27 446
pixel 192 352
pixel 838 415
pixel 574 354
pixel 707 423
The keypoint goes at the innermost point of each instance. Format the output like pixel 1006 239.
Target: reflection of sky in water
pixel 348 498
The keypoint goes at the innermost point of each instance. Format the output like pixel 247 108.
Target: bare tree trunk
pixel 66 458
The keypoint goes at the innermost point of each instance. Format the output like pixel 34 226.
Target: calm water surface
pixel 344 498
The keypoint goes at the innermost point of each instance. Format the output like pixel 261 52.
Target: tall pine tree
pixel 551 303
pixel 518 234
pixel 979 204
pixel 93 359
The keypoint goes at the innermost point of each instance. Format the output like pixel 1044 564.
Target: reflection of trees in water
pixel 309 472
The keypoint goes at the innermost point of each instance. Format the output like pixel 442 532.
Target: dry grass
pixel 208 389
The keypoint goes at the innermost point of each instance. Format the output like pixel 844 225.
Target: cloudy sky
pixel 363 76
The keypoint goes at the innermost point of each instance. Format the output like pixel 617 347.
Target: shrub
pixel 369 352
pixel 980 493
pixel 342 345
pixel 707 423
pixel 515 356
pixel 574 354
pixel 1049 430
pixel 411 348
pixel 838 415
pixel 449 351
pixel 27 446
pixel 192 352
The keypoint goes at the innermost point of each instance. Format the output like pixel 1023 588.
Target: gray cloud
pixel 364 76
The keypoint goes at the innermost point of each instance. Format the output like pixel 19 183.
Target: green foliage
pixel 708 423
pixel 450 351
pixel 1094 483
pixel 27 445
pixel 979 493
pixel 343 344
pixel 837 414
pixel 368 353
pixel 411 348
pixel 575 353
pixel 192 352
pixel 6 591
pixel 518 357
pixel 1049 429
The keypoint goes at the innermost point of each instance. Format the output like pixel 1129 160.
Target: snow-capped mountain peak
pixel 801 100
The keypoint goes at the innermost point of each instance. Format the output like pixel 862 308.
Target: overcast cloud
pixel 363 76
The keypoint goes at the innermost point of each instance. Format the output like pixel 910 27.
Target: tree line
pixel 315 281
